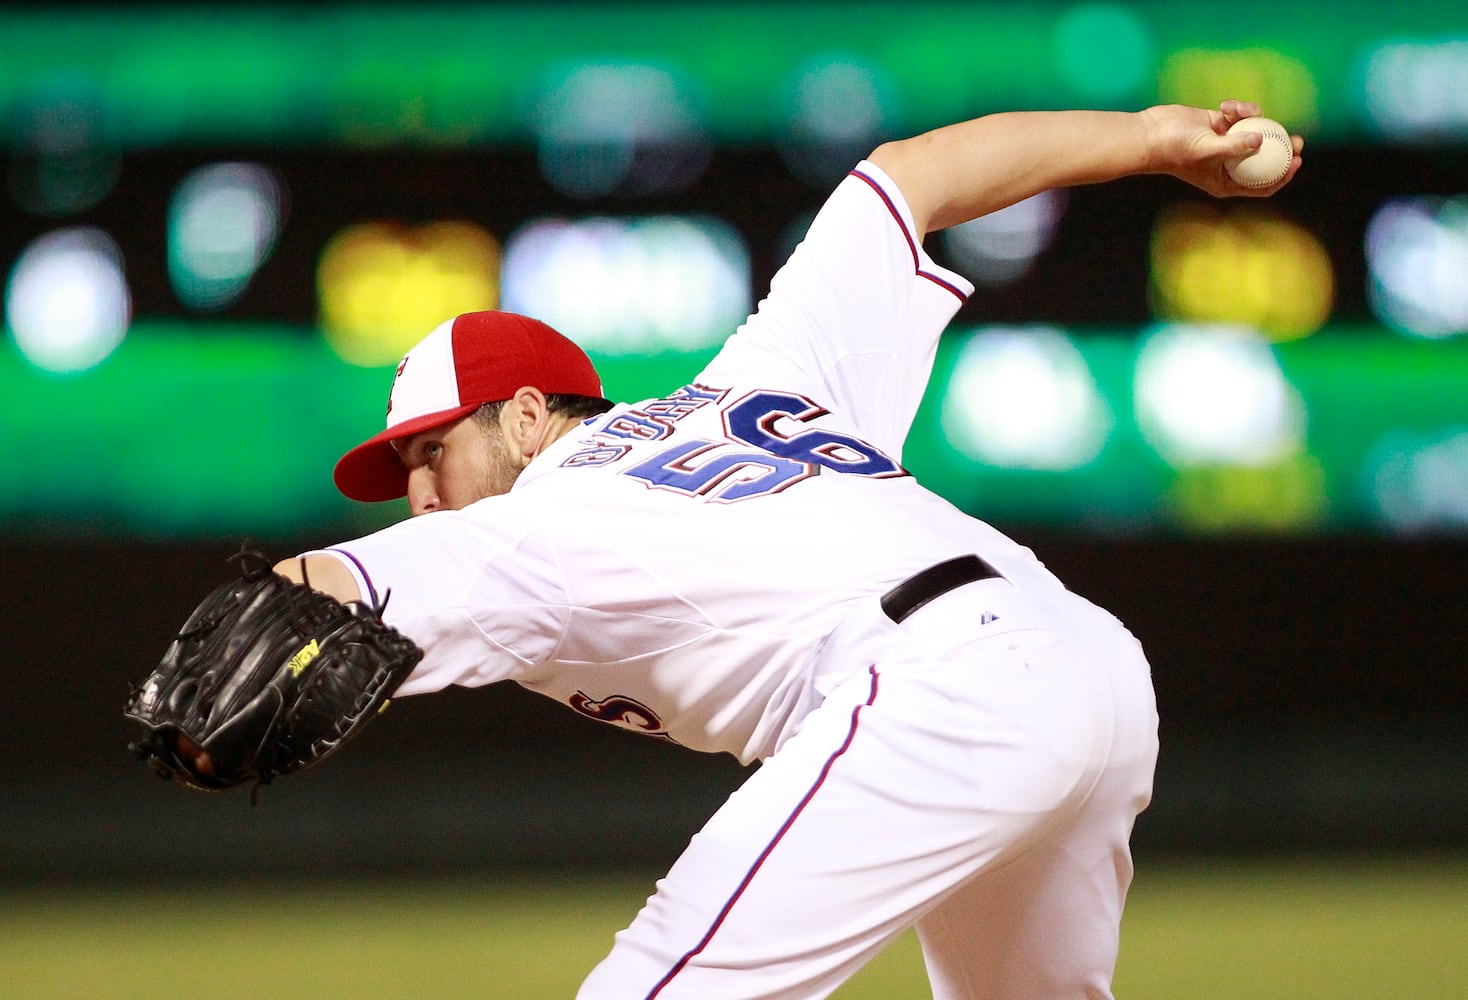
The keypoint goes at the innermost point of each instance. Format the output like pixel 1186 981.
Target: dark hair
pixel 565 404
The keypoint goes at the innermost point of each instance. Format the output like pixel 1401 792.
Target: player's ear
pixel 523 419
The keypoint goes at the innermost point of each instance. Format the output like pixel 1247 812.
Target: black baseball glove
pixel 267 677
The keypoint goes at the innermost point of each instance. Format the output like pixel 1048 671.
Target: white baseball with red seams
pixel 706 568
pixel 1270 162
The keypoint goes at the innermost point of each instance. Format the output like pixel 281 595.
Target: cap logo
pixel 396 375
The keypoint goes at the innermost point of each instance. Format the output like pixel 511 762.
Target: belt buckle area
pixel 929 584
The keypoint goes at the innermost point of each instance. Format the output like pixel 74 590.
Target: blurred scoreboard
pixel 223 226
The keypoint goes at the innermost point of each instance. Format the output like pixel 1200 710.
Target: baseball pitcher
pixel 951 740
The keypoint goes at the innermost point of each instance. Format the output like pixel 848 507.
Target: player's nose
pixel 422 496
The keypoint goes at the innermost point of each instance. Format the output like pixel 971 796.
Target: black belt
pixel 935 581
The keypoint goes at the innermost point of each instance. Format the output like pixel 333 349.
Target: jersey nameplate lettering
pixel 757 458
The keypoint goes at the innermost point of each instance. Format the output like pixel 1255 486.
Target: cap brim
pixel 372 471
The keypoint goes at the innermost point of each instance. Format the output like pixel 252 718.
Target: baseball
pixel 1267 164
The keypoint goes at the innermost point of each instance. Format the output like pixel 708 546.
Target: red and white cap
pixel 473 359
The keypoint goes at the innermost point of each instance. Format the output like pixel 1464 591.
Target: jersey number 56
pixel 726 472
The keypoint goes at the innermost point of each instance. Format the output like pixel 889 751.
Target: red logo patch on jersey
pixel 619 710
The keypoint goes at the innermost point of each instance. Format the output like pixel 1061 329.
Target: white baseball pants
pixel 980 784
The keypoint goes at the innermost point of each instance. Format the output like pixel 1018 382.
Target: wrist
pixel 1146 130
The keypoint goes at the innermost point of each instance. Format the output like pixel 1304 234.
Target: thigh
pixel 760 903
pixel 1046 925
pixel 896 791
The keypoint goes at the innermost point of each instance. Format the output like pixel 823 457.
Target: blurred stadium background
pixel 1242 426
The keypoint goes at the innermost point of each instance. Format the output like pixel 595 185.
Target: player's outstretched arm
pixel 960 172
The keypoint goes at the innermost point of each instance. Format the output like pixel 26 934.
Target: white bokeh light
pixel 1216 395
pixel 998 248
pixel 1417 258
pixel 67 302
pixel 222 224
pixel 629 285
pixel 836 116
pixel 631 129
pixel 1418 89
pixel 1025 399
pixel 838 100
pixel 1421 484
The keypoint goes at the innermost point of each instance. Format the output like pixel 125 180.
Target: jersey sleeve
pixel 852 319
pixel 442 580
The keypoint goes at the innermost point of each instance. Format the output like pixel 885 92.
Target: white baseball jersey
pixel 706 567
pixel 677 565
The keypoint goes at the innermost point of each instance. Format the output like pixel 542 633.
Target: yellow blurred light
pixel 1249 267
pixel 1281 84
pixel 383 286
pixel 1281 497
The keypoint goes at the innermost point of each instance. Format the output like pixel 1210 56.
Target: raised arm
pixel 960 172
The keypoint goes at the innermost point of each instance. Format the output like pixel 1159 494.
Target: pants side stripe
pixel 770 847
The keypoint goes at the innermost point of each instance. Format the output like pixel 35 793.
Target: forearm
pixel 960 172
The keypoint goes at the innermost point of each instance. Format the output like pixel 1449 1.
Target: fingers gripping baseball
pixel 1233 151
pixel 1268 156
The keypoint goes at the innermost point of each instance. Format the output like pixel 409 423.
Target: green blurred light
pixel 1106 51
pixel 456 74
pixel 213 429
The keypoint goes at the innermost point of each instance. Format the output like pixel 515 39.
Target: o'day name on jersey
pixel 770 442
pixel 649 422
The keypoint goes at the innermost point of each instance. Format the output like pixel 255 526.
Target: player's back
pixel 711 570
